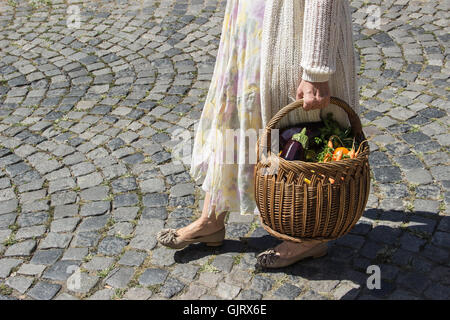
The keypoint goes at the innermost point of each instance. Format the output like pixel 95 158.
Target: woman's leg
pixel 206 224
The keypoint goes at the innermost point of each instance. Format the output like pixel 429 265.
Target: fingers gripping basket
pixel 293 209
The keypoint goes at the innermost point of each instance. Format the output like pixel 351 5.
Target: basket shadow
pixel 396 241
pixel 390 239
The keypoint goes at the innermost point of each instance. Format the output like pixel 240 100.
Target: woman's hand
pixel 315 95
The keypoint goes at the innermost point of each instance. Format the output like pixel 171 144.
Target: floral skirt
pixel 223 154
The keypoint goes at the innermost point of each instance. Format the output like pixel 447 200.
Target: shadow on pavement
pixel 400 243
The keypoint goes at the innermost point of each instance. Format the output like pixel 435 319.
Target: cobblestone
pixel 86 177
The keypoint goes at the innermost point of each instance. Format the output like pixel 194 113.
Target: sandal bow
pixel 267 258
pixel 167 236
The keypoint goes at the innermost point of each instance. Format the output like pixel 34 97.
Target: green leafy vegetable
pixel 316 147
pixel 326 150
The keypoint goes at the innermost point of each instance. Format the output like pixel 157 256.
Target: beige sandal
pixel 270 258
pixel 170 238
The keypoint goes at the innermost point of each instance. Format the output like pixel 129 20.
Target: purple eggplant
pixel 293 150
pixel 287 134
pixel 312 131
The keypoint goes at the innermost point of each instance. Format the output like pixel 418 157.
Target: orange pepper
pixel 339 152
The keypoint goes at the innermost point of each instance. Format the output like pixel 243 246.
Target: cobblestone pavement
pixel 86 116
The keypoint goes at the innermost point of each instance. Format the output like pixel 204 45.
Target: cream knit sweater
pixel 311 40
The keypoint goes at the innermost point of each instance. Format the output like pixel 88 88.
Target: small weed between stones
pixel 410 207
pixel 10 241
pixel 104 273
pixel 237 259
pixel 118 294
pixel 154 288
pixel 5 290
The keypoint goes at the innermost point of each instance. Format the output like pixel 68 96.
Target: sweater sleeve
pixel 319 43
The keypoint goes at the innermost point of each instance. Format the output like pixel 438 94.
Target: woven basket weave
pixel 294 210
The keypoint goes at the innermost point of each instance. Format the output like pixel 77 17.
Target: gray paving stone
pixel 66 296
pixel 154 213
pixel 181 190
pixel 124 185
pixel 61 270
pixel 125 200
pixel 44 290
pixel 155 200
pixel 95 208
pixel 137 294
pixel 93 223
pixel 21 249
pixel 61 184
pixel 75 254
pixel 64 211
pixel 46 257
pixel 171 287
pixel 163 257
pixel 223 263
pixel 7 220
pixel 119 278
pixel 8 206
pixel 55 240
pixel 32 219
pixel 426 206
pixel 440 173
pixel 62 198
pixel 185 272
pixel 387 174
pixel 6 265
pixel 121 229
pixel 418 176
pixel 249 295
pixel 194 292
pixel 64 225
pixel 19 283
pixel 86 239
pixel 111 246
pixel 209 279
pixel 288 291
pixel 89 180
pixel 104 294
pixel 132 258
pixel 227 291
pixel 125 214
pixel 98 263
pixel 81 282
pixel 261 284
pixel 31 269
pixel 153 276
pixel 95 193
pixel 152 185
pixel 30 232
pixel 143 241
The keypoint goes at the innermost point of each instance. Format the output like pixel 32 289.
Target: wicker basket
pixel 294 209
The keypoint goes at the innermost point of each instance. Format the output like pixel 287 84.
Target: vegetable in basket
pixel 296 146
pixel 318 142
pixel 312 131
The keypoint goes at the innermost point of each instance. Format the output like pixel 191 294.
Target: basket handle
pixel 355 122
